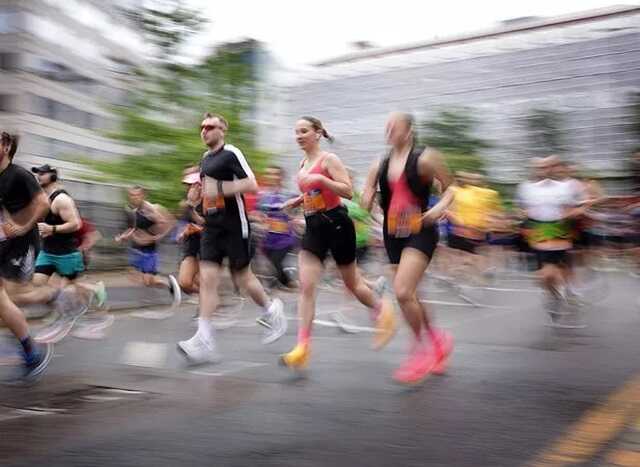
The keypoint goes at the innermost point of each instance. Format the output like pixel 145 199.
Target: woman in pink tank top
pixel 323 180
pixel 405 179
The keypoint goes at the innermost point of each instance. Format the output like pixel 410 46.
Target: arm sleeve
pixel 31 187
pixel 240 166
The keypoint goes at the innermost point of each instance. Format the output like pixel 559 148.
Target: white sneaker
pixel 278 322
pixel 198 352
pixel 174 288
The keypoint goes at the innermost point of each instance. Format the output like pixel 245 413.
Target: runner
pixel 61 258
pixel 405 178
pixel 190 235
pixel 226 176
pixel 149 224
pixel 549 206
pixel 279 238
pixel 22 205
pixel 323 180
pixel 470 214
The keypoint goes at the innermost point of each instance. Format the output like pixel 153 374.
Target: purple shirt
pixel 279 233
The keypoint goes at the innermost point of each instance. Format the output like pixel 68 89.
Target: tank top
pixel 316 197
pixel 58 243
pixel 142 222
pixel 404 216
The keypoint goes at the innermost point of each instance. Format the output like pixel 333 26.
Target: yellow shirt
pixel 473 205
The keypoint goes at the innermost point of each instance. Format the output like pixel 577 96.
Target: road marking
pixel 236 367
pixel 145 354
pixel 472 305
pixel 331 324
pixel 500 289
pixel 598 426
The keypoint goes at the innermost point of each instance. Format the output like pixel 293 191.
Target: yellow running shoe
pixel 298 358
pixel 385 324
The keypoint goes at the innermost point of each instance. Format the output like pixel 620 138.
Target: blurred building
pixel 583 66
pixel 64 64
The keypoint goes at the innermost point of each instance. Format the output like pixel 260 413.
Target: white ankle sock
pixel 205 330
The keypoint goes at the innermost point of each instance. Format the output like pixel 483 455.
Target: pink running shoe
pixel 417 366
pixel 445 343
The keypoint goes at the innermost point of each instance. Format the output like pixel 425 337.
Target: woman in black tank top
pixel 411 172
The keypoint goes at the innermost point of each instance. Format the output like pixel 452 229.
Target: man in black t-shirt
pixel 226 175
pixel 22 205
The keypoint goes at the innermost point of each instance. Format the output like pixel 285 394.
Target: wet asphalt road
pixel 515 386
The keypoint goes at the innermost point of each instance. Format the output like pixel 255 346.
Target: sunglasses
pixel 208 128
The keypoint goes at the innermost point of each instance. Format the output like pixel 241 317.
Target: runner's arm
pixel 339 182
pixel 65 207
pixel 28 217
pixel 292 203
pixel 370 190
pixel 164 220
pixel 432 162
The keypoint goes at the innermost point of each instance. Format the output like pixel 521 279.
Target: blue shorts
pixel 68 266
pixel 145 262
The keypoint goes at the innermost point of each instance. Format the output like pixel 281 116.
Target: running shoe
pixel 176 293
pixel 445 342
pixel 298 358
pixel 36 365
pixel 385 324
pixel 100 295
pixel 198 352
pixel 277 322
pixel 94 328
pixel 70 309
pixel 417 367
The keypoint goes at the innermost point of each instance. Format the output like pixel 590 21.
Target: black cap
pixel 44 169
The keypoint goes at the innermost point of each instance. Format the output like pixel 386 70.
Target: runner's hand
pixel 430 217
pixel 45 230
pixel 12 230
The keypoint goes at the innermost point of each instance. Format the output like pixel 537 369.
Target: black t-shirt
pixel 17 188
pixel 227 164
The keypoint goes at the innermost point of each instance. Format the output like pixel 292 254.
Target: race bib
pixel 278 226
pixel 401 224
pixel 313 202
pixel 539 232
pixel 212 204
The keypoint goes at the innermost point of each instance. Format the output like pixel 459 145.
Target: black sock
pixel 27 345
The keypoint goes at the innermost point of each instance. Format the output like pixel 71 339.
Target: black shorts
pixel 424 241
pixel 556 257
pixel 191 246
pixel 464 244
pixel 331 231
pixel 18 257
pixel 218 243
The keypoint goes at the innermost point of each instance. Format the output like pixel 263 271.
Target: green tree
pixel 162 121
pixel 453 133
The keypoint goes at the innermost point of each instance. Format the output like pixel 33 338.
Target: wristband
pixel 53 231
pixel 220 192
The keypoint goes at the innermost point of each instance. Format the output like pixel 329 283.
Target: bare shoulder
pixel 63 200
pixel 431 155
pixel 331 158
